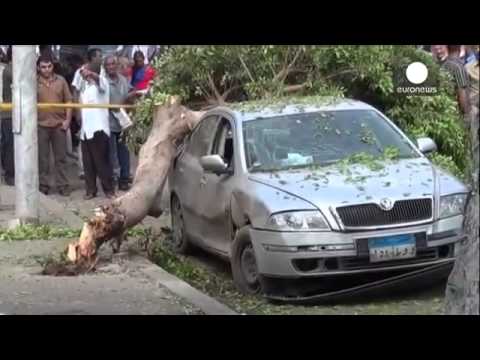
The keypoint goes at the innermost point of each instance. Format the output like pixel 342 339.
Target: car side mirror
pixel 214 164
pixel 426 145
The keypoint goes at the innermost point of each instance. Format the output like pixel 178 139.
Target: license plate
pixel 392 248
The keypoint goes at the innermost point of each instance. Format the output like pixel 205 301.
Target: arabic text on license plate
pixel 392 248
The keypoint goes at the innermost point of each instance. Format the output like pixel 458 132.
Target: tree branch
pixel 282 75
pixel 214 88
pixel 294 88
pixel 343 72
pixel 228 92
pixel 246 68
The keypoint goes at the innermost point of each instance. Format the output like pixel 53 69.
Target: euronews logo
pixel 414 79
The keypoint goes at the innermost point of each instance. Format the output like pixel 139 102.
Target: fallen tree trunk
pixel 170 124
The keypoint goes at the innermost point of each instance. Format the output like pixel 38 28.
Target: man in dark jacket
pixel 7 145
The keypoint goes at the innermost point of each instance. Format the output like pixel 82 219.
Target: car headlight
pixel 452 205
pixel 297 221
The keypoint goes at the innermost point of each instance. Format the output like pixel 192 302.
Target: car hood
pixel 357 184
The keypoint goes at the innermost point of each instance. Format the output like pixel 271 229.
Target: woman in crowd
pixel 141 74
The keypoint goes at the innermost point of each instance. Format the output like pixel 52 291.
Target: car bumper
pixel 284 254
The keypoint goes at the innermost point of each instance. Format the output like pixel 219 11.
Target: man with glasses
pixel 53 125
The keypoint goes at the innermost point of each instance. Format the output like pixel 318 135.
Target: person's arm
pixel 134 94
pixel 67 98
pixel 94 76
pixel 76 85
pixel 463 101
pixel 102 83
pixel 78 112
pixel 130 91
pixel 462 82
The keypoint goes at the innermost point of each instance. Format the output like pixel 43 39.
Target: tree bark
pixel 462 295
pixel 171 123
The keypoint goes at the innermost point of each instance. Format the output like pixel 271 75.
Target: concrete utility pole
pixel 24 99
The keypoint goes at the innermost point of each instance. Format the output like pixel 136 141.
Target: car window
pixel 202 137
pixel 223 143
pixel 319 139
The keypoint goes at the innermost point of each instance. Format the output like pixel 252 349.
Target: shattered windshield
pixel 319 139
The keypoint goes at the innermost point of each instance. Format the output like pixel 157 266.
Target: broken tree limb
pixel 171 123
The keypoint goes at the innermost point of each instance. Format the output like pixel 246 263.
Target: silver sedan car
pixel 298 196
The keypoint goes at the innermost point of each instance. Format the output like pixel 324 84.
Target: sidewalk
pixel 125 283
pixel 118 287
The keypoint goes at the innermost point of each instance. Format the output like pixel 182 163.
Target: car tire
pixel 180 242
pixel 244 264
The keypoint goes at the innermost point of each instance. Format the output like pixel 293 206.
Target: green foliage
pixel 167 260
pixel 139 232
pixel 448 164
pixel 43 232
pixel 143 117
pixel 209 74
pixel 217 285
pixel 47 232
pixel 372 162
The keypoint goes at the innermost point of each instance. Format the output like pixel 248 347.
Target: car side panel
pixel 187 182
pixel 216 195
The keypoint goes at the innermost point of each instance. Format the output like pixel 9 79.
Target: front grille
pixel 404 211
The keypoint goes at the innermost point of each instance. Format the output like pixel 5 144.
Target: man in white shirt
pixel 92 88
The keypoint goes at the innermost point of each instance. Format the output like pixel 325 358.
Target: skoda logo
pixel 386 204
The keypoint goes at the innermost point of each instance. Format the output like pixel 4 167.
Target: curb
pixel 205 303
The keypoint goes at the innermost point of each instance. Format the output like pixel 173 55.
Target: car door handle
pixel 203 181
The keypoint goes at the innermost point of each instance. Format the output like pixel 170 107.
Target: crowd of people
pixel 461 62
pixel 94 135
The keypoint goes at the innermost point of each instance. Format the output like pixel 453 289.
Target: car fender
pixel 238 217
pixel 258 202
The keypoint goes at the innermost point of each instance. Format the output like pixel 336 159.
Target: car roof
pixel 252 110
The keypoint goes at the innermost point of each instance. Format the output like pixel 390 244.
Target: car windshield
pixel 319 139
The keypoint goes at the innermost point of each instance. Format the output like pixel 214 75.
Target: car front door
pixel 189 174
pixel 216 191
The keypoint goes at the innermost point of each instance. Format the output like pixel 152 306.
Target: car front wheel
pixel 244 264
